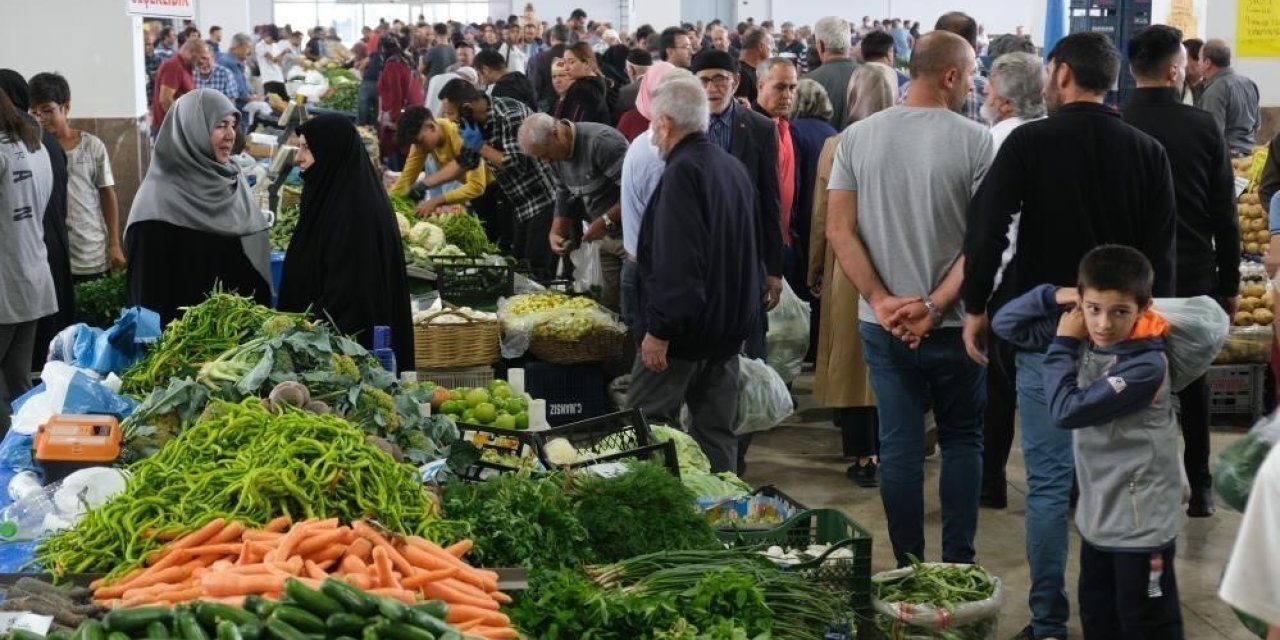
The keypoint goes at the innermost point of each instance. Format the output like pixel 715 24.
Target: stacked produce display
pixel 559 328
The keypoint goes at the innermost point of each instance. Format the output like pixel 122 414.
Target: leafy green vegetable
pixel 465 231
pixel 639 512
pixel 695 468
pixel 286 223
pixel 1237 467
pixel 342 97
pixel 688 451
pixel 100 300
pixel 518 520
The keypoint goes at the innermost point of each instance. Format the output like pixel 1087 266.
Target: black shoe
pixel 864 475
pixel 1201 503
pixel 993 498
pixel 1028 633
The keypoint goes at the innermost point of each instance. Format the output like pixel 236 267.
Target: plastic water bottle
pixel 26 518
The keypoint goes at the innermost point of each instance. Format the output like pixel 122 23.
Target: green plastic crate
pixel 849 576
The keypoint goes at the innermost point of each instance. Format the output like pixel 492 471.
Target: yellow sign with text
pixel 1258 29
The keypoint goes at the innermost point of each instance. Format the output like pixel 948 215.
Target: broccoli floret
pixel 377 406
pixel 278 325
pixel 344 365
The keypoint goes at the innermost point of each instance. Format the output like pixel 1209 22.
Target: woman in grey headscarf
pixel 194 224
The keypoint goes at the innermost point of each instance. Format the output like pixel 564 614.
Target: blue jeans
pixel 629 292
pixel 1050 461
pixel 907 382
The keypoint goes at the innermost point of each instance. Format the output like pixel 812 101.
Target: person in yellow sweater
pixel 418 129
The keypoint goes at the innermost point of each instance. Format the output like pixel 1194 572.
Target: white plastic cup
pixel 538 415
pixel 515 377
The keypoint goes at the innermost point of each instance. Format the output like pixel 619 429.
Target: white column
pixel 231 15
pixel 104 68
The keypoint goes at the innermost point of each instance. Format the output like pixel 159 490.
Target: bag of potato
pixel 1197 330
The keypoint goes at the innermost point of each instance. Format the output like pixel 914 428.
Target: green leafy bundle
pixel 245 463
pixel 100 300
pixel 342 97
pixel 518 520
pixel 465 231
pixel 286 223
pixel 639 512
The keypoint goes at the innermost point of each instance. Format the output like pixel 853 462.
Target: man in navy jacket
pixel 700 276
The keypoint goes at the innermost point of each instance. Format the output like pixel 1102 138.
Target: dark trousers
pixel 859 431
pixel 709 387
pixel 997 420
pixel 17 341
pixel 495 215
pixel 1115 600
pixel 532 245
pixel 277 88
pixel 366 102
pixel 1194 402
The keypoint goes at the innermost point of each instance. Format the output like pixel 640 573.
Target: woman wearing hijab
pixel 613 64
pixel 636 121
pixel 194 224
pixel 345 261
pixel 399 86
pixel 57 246
pixel 587 99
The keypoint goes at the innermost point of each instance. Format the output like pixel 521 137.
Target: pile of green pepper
pixel 242 462
pixel 336 611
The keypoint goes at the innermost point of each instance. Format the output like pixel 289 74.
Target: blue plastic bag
pixel 87 396
pixel 110 350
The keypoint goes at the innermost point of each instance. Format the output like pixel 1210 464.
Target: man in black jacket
pixel 1208 239
pixel 491 67
pixel 753 140
pixel 1081 178
pixel 699 277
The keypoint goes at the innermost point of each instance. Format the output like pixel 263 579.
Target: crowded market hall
pixel 660 320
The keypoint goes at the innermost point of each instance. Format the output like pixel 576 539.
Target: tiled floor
pixel 803 458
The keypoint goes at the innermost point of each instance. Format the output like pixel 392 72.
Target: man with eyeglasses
pixel 753 140
pixel 677 47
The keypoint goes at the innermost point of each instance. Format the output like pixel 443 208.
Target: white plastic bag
pixel 39 408
pixel 588 277
pixel 763 399
pixel 788 336
pixel 968 621
pixel 1198 328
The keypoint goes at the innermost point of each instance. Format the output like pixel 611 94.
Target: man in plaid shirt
pixel 490 132
pixel 215 76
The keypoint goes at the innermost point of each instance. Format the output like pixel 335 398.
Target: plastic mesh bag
pixel 788 336
pixel 763 399
pixel 1238 464
pixel 968 621
pixel 1198 328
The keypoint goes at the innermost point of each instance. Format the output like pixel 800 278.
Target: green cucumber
pixel 298 618
pixel 59 634
pixel 311 600
pixel 92 630
pixel 401 631
pixel 420 618
pixel 187 625
pixel 23 634
pixel 227 630
pixel 351 598
pixel 157 631
pixel 393 609
pixel 114 635
pixel 136 619
pixel 280 630
pixel 211 613
pixel 345 623
pixel 251 630
pixel 436 608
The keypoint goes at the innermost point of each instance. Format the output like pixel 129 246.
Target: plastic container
pixel 31 518
pixel 23 484
pixel 382 348
pixel 573 392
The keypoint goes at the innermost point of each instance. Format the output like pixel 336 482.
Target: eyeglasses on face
pixel 720 81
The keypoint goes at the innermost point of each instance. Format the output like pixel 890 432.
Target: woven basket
pixel 468 344
pixel 598 345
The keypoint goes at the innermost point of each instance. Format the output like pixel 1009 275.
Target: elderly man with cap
pixel 638 63
pixel 699 277
pixel 752 139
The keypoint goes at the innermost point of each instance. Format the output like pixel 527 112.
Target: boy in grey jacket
pixel 1106 376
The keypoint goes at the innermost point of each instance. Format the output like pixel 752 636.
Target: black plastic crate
pixel 609 438
pixel 502 451
pixel 573 391
pixel 465 281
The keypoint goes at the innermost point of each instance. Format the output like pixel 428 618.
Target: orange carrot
pixel 459 548
pixel 440 591
pixel 314 571
pixel 407 597
pixel 461 613
pixel 278 525
pixel 331 523
pixel 290 542
pixel 423 577
pixel 500 597
pixel 361 549
pixel 255 535
pixel 320 540
pixel 423 560
pixel 468 625
pixel 231 532
pixel 222 585
pixel 494 633
pixel 361 581
pixel 220 549
pixel 325 555
pixel 184 595
pixel 382 561
pixel 352 564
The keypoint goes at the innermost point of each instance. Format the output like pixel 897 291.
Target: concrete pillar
pixel 104 69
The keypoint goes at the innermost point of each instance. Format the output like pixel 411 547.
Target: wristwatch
pixel 934 314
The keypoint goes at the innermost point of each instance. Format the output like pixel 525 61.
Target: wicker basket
pixel 601 344
pixel 471 343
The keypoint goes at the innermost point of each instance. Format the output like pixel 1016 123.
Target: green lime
pixel 505 421
pixel 516 405
pixel 522 420
pixel 485 412
pixel 476 396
